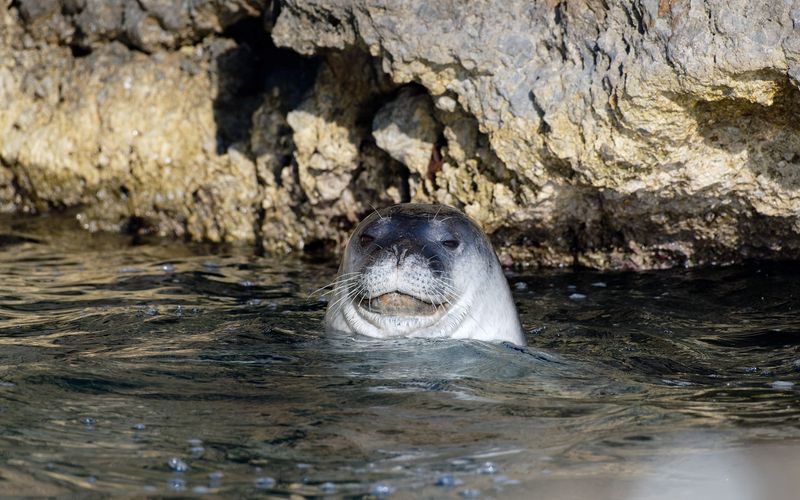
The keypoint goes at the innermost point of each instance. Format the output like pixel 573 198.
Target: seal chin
pixel 399 304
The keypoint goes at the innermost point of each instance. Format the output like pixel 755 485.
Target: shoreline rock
pixel 612 135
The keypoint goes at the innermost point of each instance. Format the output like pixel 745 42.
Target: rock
pixel 591 133
pixel 148 25
pixel 623 145
pixel 406 129
pixel 338 175
pixel 126 136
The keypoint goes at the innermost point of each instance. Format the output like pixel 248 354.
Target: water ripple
pixel 118 359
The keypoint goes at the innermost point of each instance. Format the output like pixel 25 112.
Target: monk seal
pixel 415 270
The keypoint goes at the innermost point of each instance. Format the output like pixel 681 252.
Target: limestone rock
pixel 611 138
pixel 337 172
pixel 126 136
pixel 407 129
pixel 627 135
pixel 147 25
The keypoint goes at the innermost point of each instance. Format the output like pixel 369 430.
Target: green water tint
pixel 157 367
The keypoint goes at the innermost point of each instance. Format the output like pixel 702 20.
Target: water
pixel 155 367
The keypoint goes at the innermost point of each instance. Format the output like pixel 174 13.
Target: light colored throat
pixel 398 304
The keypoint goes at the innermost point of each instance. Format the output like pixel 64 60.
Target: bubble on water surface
pixel 381 490
pixel 146 311
pixel 447 481
pixel 177 464
pixel 176 484
pixel 168 268
pixel 782 384
pixel 521 286
pixel 487 468
pixel 139 426
pixel 599 284
pixel 577 296
pixel 327 487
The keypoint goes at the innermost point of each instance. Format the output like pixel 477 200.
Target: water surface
pixel 136 367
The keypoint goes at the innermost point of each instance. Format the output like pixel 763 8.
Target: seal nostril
pixel 451 244
pixel 366 239
pixel 400 253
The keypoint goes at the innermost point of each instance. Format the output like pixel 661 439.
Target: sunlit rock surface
pixel 609 134
pixel 134 139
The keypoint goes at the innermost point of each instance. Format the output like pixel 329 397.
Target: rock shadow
pixel 249 72
pixel 768 134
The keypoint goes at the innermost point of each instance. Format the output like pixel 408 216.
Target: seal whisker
pixel 449 289
pixel 465 313
pixel 377 212
pixel 437 213
pixel 328 292
pixel 341 301
pixel 333 284
pixel 348 289
pixel 350 296
pixel 337 282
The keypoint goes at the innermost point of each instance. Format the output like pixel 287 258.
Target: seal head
pixel 422 271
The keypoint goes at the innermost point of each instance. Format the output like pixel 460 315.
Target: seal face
pixel 422 271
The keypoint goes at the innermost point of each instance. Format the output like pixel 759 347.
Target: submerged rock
pixel 595 134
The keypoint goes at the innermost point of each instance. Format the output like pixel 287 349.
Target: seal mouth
pixel 398 304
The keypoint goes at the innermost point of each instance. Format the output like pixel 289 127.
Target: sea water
pixel 141 366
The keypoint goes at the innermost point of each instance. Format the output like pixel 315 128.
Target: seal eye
pixel 451 244
pixel 366 239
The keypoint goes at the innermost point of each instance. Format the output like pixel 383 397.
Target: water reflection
pixel 162 367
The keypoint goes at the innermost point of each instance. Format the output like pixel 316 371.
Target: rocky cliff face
pixel 610 134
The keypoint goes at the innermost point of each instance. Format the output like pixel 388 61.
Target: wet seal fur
pixel 414 270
